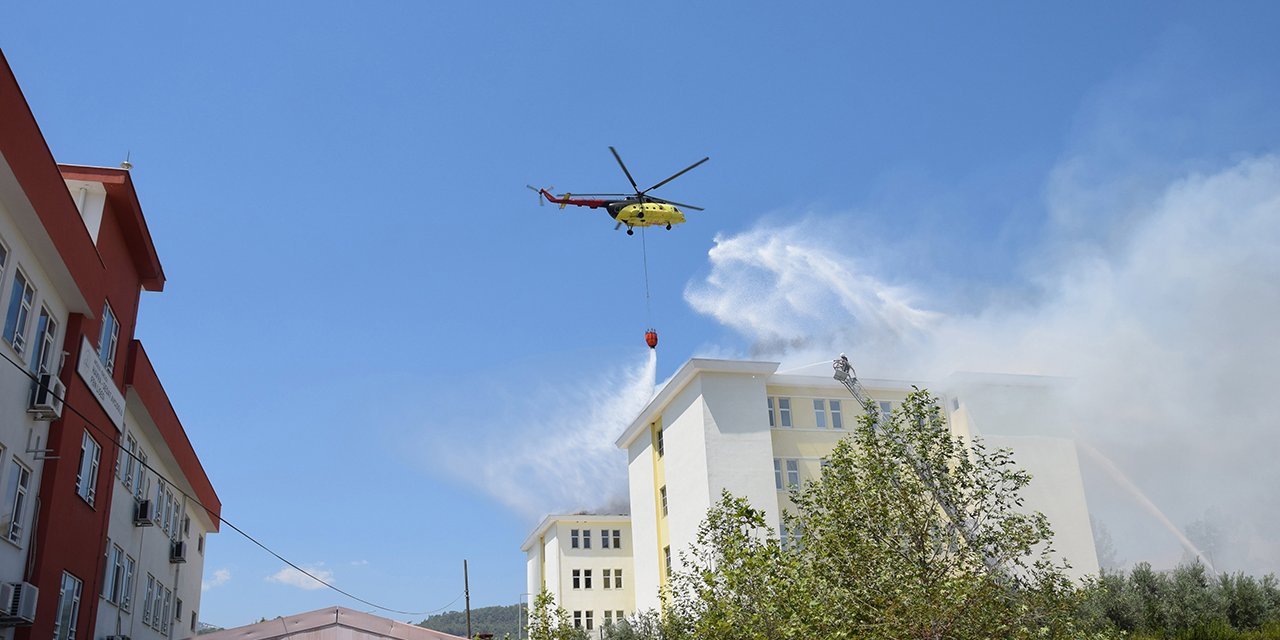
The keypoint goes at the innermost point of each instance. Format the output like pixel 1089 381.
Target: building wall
pixel 553 548
pixel 717 437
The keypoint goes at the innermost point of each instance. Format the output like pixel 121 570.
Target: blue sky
pixel 366 308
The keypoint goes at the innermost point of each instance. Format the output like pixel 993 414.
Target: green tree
pixel 911 532
pixel 548 621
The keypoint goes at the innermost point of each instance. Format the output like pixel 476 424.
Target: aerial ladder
pixel 845 374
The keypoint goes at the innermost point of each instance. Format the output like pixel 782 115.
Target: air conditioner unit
pixel 143 512
pixel 178 551
pixel 17 603
pixel 46 398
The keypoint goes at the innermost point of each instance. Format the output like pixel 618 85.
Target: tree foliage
pixel 1186 602
pixel 549 621
pixel 909 533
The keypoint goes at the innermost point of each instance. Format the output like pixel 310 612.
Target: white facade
pixel 585 562
pixel 713 420
pixel 36 295
pixel 145 593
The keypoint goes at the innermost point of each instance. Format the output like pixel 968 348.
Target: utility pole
pixel 466 590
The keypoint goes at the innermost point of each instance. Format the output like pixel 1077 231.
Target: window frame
pixel 77 585
pixel 604 538
pixel 662 492
pixel 793 472
pixel 820 412
pixel 87 489
pixel 46 340
pixel 586 538
pixel 16 498
pixel 18 320
pixel 574 539
pixel 837 414
pixel 107 353
pixel 617 538
pixel 784 413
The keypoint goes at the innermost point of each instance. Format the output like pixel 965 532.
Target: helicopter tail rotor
pixel 542 200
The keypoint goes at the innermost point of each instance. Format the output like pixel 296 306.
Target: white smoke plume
pixel 564 459
pixel 1166 323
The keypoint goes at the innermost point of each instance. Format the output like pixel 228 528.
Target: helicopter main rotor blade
pixel 678 204
pixel 682 172
pixel 624 169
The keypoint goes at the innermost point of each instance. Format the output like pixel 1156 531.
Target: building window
pixel 148 601
pixel 662 491
pixel 577 578
pixel 820 413
pixel 113 577
pixel 837 422
pixel 193 619
pixel 124 467
pixel 608 578
pixel 777 473
pixel 617 538
pixel 177 609
pixel 617 615
pixel 577 619
pixel 586 578
pixel 573 538
pixel 108 339
pixel 64 625
pixel 87 477
pixel 19 484
pixel 587 618
pixel 164 620
pixel 886 408
pixel 586 538
pixel 126 598
pixel 200 544
pixel 46 342
pixel 608 617
pixel 666 559
pixel 617 579
pixel 793 473
pixel 784 412
pixel 604 538
pixel 141 484
pixel 661 449
pixel 15 322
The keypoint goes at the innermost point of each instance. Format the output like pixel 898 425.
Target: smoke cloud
pixel 563 459
pixel 1165 323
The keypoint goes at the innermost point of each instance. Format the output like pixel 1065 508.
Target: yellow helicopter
pixel 638 210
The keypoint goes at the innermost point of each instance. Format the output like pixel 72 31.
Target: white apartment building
pixel 154 555
pixel 585 562
pixel 741 426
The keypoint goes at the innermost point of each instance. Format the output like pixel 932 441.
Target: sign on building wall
pixel 99 382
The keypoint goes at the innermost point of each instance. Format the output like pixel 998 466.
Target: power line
pixel 218 516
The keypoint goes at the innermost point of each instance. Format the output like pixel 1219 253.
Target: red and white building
pixel 104 506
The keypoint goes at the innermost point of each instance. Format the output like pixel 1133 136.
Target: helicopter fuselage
pixel 634 213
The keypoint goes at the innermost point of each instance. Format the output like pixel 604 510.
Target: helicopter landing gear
pixel 630 231
pixel 668 227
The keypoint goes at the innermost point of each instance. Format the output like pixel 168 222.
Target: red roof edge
pixel 124 200
pixel 28 156
pixel 142 377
